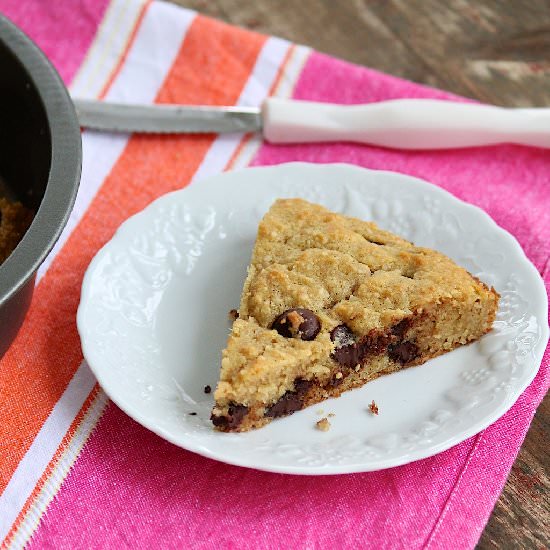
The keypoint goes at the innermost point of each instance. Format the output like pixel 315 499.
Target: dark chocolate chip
pixel 193 414
pixel 287 404
pixel 207 389
pixel 350 352
pixel 345 351
pixel 342 335
pixel 234 416
pixel 401 327
pixel 346 356
pixel 219 421
pixel 297 321
pixel 301 386
pixel 335 382
pixel 373 343
pixel 403 352
pixel 290 401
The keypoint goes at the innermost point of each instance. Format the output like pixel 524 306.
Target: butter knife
pixel 399 123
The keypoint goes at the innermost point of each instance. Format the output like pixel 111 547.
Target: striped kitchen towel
pixel 76 472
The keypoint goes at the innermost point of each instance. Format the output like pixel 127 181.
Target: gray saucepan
pixel 40 161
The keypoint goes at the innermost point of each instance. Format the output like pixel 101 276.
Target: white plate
pixel 153 321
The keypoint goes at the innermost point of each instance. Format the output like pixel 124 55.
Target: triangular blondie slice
pixel 331 302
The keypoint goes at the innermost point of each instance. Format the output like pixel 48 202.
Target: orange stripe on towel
pixel 55 459
pixel 212 67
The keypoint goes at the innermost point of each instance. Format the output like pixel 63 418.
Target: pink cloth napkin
pixel 111 483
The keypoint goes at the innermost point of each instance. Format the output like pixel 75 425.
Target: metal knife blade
pixel 398 123
pixel 120 117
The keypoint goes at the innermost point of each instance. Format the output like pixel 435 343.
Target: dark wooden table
pixel 495 51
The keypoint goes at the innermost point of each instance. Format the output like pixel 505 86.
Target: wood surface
pixel 495 51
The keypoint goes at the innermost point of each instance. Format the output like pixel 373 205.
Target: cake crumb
pixel 233 315
pixel 330 415
pixel 373 408
pixel 338 375
pixel 323 425
pixel 207 389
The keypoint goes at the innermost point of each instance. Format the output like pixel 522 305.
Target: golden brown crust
pixel 405 304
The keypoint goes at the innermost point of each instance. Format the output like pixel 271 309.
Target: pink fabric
pixel 63 30
pixel 131 488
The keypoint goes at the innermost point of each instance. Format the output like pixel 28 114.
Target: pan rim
pixel 65 163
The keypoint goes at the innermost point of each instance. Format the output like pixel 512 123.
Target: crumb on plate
pixel 323 425
pixel 373 408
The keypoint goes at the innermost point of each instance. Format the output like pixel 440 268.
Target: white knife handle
pixel 405 123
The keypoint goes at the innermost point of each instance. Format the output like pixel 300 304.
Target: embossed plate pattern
pixel 153 321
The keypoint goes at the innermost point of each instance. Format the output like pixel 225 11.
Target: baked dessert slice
pixel 331 302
